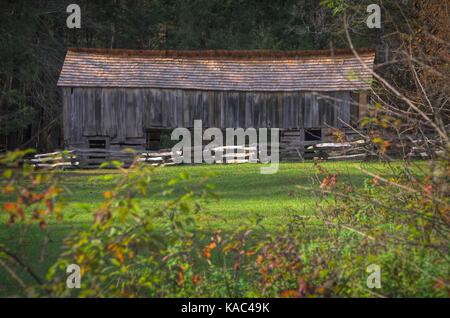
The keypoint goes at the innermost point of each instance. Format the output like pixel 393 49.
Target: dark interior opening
pixel 354 109
pixel 97 143
pixel 313 134
pixel 153 139
pixel 97 156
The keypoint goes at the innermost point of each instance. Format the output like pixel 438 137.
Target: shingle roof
pixel 218 70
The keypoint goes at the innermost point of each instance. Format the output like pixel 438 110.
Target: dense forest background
pixel 34 38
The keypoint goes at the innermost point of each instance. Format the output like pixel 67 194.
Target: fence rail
pixel 359 149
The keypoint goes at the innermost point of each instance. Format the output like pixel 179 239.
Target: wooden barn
pixel 127 98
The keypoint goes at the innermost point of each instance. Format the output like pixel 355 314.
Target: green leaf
pixel 104 165
pixel 184 175
pixel 8 173
pixel 173 181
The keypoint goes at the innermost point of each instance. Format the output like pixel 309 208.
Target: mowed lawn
pixel 245 196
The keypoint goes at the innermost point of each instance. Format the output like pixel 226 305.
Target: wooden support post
pixel 362 105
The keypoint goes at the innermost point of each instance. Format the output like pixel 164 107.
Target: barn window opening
pixel 313 134
pixel 97 155
pixel 97 143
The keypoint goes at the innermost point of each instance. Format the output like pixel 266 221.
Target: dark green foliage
pixel 128 248
pixel 34 38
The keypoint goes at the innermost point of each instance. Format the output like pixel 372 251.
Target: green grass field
pixel 244 193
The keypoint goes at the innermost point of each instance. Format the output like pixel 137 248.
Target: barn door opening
pixel 153 139
pixel 158 138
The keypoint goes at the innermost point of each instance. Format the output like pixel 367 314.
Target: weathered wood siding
pixel 123 114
